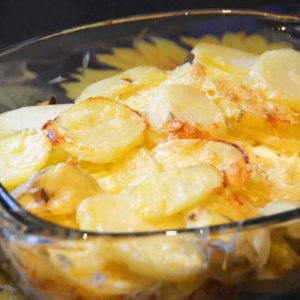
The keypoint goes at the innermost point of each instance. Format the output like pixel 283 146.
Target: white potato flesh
pixel 22 154
pixel 201 217
pixel 279 206
pixel 185 104
pixel 30 117
pixel 57 190
pixel 130 172
pixel 277 73
pixel 125 84
pixel 223 57
pixel 173 191
pixel 226 157
pixel 162 258
pixel 88 266
pixel 97 130
pixel 110 213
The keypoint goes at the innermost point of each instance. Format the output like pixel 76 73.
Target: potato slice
pixel 88 267
pixel 279 206
pixel 110 213
pixel 227 157
pixel 277 73
pixel 116 213
pixel 281 172
pixel 162 258
pixel 31 117
pixel 140 101
pixel 260 240
pixel 97 130
pixel 201 217
pixel 22 154
pixel 130 172
pixel 165 194
pixel 180 110
pixel 56 190
pixel 79 260
pixel 125 84
pixel 224 58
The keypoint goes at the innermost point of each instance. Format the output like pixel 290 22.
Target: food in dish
pixel 213 141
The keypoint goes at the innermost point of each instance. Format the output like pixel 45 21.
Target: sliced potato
pixel 140 101
pixel 63 220
pixel 227 157
pixel 116 213
pixel 201 217
pixel 186 74
pixel 97 130
pixel 31 117
pixel 234 206
pixel 224 58
pixel 281 172
pixel 87 266
pixel 22 154
pixel 130 172
pixel 161 258
pixel 110 213
pixel 125 84
pixel 181 110
pixel 57 190
pixel 165 194
pixel 57 155
pixel 277 73
pixel 283 259
pixel 279 206
pixel 80 261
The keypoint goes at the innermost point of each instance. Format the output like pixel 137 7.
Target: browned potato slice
pixel 97 130
pixel 57 190
pixel 181 111
pixel 227 157
pixel 31 117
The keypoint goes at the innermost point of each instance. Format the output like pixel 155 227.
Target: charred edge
pixel 41 196
pixel 239 148
pixel 47 125
pixel 192 217
pixel 44 195
pixel 225 179
pixel 52 100
pixel 128 79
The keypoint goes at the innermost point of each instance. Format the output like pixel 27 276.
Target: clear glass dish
pixel 49 261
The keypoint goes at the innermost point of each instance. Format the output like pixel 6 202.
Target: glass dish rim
pixel 140 17
pixel 32 225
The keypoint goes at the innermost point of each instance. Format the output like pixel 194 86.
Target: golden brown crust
pixel 181 130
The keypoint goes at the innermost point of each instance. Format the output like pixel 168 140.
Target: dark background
pixel 24 19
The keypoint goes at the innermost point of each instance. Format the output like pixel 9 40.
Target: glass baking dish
pixel 49 261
